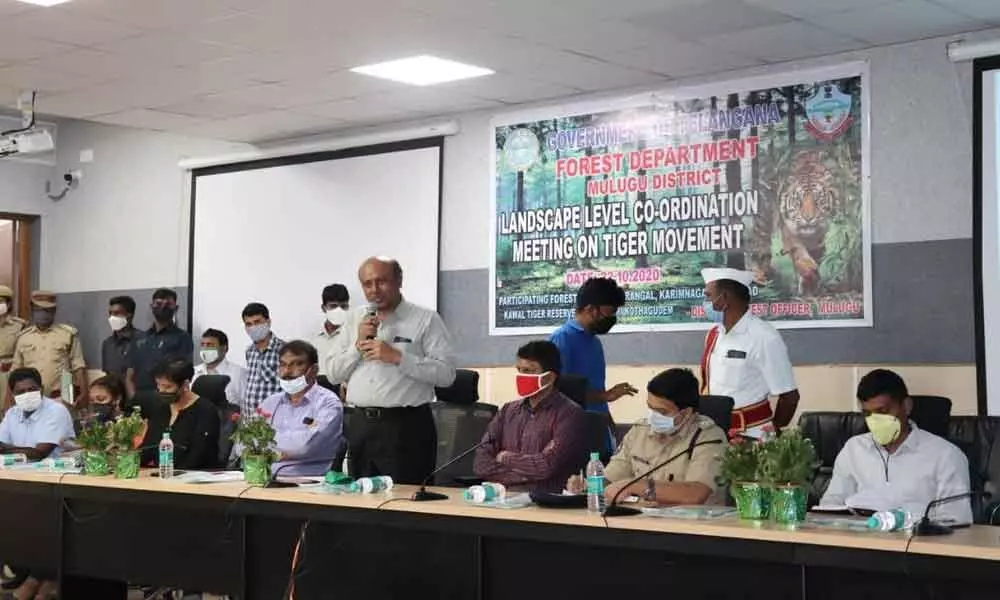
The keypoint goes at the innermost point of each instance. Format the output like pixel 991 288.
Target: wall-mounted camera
pixel 71 180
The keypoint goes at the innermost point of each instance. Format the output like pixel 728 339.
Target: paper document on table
pixel 209 477
pixel 689 512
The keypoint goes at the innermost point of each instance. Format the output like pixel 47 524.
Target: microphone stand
pixel 927 527
pixel 614 510
pixel 273 482
pixel 422 495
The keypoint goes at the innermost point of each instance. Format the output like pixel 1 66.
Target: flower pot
pixel 95 463
pixel 788 504
pixel 256 469
pixel 753 499
pixel 127 464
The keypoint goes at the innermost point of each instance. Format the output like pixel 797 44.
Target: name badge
pixel 401 340
pixel 736 354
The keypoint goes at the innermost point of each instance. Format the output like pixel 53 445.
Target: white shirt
pixel 749 363
pixel 51 423
pixel 925 467
pixel 427 362
pixel 323 341
pixel 237 378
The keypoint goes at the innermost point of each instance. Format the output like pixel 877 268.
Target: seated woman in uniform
pixel 193 422
pixel 673 427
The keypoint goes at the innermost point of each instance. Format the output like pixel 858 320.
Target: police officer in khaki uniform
pixel 673 428
pixel 10 327
pixel 52 348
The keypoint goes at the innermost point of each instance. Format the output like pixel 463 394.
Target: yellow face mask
pixel 885 428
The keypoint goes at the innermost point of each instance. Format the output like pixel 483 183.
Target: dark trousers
pixel 398 442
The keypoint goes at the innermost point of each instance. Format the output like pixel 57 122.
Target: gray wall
pixel 88 312
pixel 923 314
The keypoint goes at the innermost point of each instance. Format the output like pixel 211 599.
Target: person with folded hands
pixel 673 428
pixel 537 440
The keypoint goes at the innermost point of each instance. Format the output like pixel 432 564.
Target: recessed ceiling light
pixel 44 2
pixel 422 70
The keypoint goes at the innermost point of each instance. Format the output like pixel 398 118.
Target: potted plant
pixel 124 431
pixel 740 471
pixel 255 437
pixel 95 440
pixel 788 464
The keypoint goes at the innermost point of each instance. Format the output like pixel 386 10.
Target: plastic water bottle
pixel 372 485
pixel 166 456
pixel 486 492
pixel 891 520
pixel 595 484
pixel 58 463
pixel 12 460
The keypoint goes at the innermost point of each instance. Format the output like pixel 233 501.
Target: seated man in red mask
pixel 537 441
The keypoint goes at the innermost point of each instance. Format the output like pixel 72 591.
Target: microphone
pixel 371 312
pixel 422 495
pixel 927 527
pixel 613 510
pixel 273 482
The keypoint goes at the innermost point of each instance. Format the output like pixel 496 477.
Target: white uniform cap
pixel 714 274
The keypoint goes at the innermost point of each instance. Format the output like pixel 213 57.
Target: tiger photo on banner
pixel 767 175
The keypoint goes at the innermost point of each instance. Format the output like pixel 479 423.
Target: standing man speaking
pixel 391 354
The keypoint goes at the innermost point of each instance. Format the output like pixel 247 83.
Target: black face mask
pixel 103 412
pixel 604 324
pixel 169 397
pixel 164 313
pixel 43 318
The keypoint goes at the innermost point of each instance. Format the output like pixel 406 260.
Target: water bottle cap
pixel 595 456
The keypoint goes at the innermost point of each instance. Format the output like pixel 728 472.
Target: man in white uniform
pixel 744 357
pixel 336 303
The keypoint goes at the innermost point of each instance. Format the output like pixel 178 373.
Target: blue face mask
pixel 711 314
pixel 660 423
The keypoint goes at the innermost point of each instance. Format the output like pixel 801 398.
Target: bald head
pixel 381 279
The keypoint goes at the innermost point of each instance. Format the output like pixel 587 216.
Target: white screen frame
pixel 986 230
pixel 293 329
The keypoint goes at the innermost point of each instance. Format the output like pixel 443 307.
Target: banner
pixel 767 176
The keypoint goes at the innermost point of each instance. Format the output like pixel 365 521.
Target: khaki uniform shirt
pixel 10 328
pixel 641 450
pixel 51 352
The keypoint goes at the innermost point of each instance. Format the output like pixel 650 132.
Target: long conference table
pixel 228 538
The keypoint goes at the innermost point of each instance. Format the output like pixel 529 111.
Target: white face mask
pixel 29 401
pixel 259 332
pixel 117 323
pixel 4 307
pixel 209 355
pixel 336 316
pixel 293 386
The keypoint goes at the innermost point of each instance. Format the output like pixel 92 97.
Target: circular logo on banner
pixel 520 151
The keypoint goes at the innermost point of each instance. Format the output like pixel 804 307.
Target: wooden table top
pixel 976 542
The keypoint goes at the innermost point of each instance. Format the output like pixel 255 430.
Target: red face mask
pixel 529 384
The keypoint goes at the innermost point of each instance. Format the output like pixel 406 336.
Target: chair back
pixel 464 390
pixel 324 382
pixel 598 431
pixel 459 427
pixel 212 387
pixel 717 408
pixel 573 387
pixel 931 413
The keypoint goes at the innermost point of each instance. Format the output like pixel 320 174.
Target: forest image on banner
pixel 769 180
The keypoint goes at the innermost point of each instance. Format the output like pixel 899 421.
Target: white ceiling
pixel 252 70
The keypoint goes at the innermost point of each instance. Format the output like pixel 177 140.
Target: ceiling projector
pixel 34 141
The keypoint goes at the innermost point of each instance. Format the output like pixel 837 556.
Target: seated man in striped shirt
pixel 536 441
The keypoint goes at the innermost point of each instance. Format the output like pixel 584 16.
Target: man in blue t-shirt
pixel 597 304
